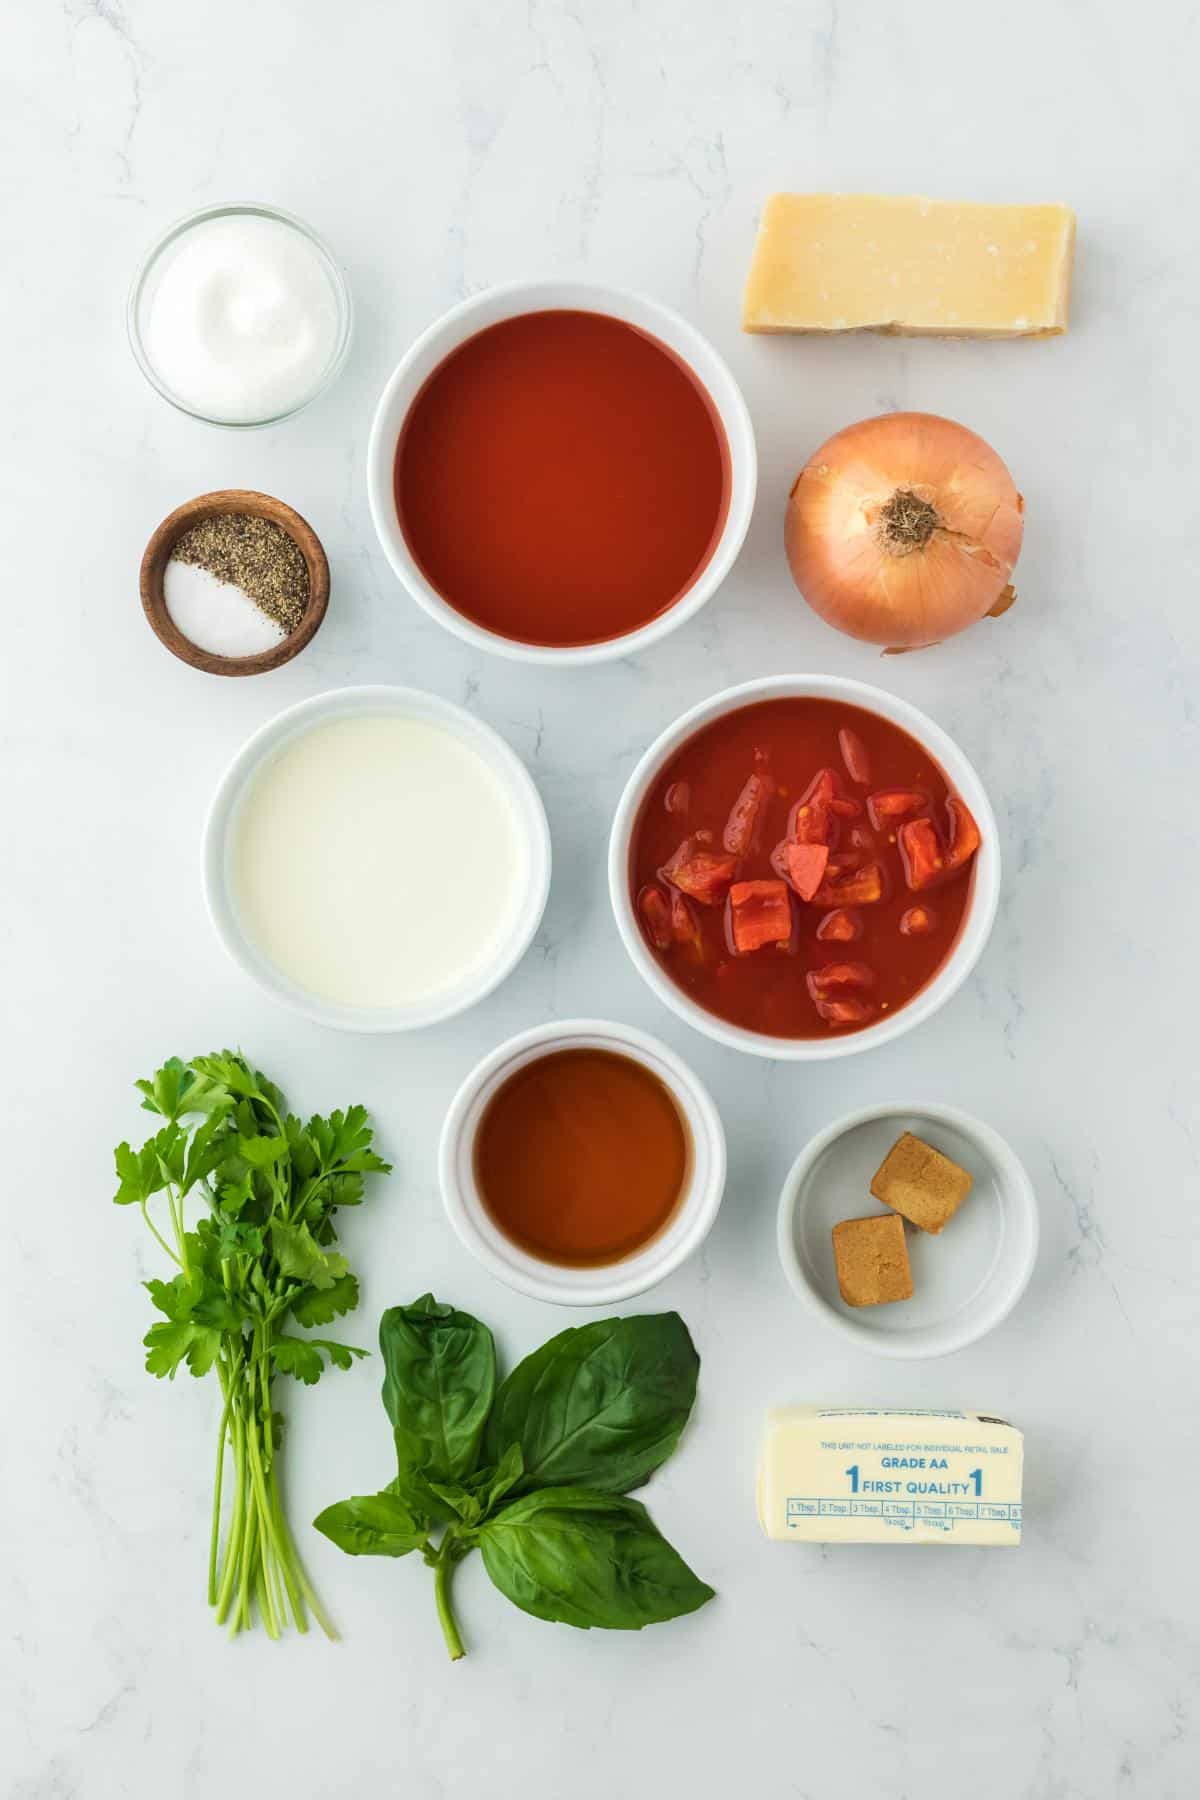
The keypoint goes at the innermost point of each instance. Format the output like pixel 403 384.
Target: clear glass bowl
pixel 337 281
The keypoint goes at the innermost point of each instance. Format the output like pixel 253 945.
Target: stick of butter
pixel 855 1475
pixel 869 262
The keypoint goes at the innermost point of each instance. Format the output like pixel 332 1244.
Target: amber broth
pixel 582 1157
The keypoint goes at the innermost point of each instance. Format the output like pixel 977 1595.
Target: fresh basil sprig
pixel 534 1474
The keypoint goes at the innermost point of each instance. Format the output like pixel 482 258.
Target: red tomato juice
pixel 562 478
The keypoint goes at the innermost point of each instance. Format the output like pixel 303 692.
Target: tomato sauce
pixel 562 478
pixel 582 1157
pixel 801 866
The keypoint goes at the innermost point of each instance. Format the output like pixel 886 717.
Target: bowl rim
pixel 596 1285
pixel 547 293
pixel 981 909
pixel 206 506
pixel 367 698
pixel 934 1340
pixel 231 209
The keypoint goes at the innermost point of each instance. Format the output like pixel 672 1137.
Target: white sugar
pixel 216 616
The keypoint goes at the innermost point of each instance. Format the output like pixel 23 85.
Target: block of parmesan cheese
pixel 861 1475
pixel 870 262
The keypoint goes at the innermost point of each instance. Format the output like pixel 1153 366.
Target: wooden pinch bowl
pixel 207 506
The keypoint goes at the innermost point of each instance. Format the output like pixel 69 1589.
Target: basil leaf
pixel 472 1500
pixel 598 1406
pixel 588 1559
pixel 440 1376
pixel 495 1483
pixel 372 1525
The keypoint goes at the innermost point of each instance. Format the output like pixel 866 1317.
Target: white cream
pixel 376 860
pixel 239 318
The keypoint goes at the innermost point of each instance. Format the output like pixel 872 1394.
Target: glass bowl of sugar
pixel 239 316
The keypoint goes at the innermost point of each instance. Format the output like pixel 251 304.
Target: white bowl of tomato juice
pixel 804 867
pixel 561 473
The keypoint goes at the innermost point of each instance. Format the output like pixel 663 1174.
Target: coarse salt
pixel 215 615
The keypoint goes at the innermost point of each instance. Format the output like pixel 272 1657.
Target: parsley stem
pixel 233 1546
pixel 241 1611
pixel 215 1535
pixel 157 1234
pixel 441 1591
pixel 284 1552
pixel 175 1202
pixel 290 1558
pixel 275 1584
pixel 263 1592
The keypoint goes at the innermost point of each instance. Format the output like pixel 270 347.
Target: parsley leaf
pixel 320 1306
pixel 299 1254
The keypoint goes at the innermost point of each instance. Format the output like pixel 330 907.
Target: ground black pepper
pixel 256 555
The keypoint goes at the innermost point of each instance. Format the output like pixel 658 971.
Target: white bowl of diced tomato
pixel 804 867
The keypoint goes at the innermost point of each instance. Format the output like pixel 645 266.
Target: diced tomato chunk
pixel 813 820
pixel 926 861
pixel 743 822
pixel 890 804
pixel 840 927
pixel 965 837
pixel 678 797
pixel 845 1012
pixel 862 887
pixel 917 921
pixel 685 926
pixel 655 914
pixel 823 786
pixel 921 853
pixel 705 875
pixel 801 865
pixel 854 755
pixel 759 913
pixel 812 823
pixel 833 976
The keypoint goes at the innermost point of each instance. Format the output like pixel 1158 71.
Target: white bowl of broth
pixel 582 1162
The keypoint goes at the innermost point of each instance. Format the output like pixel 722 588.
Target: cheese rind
pixel 872 262
pixel 857 1475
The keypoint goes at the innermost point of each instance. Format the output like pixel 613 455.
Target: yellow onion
pixel 904 529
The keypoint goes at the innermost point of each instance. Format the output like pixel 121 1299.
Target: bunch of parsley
pixel 260 1258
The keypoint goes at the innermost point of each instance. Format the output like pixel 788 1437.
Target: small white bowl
pixel 410 703
pixel 981 905
pixel 602 1285
pixel 511 301
pixel 966 1278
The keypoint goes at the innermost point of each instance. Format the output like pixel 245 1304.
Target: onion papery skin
pixel 834 541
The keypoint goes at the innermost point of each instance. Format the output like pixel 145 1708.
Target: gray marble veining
pixel 441 149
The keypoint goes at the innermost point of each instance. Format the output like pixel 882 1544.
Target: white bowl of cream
pixel 377 858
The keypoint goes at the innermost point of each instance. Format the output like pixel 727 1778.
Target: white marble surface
pixel 442 148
